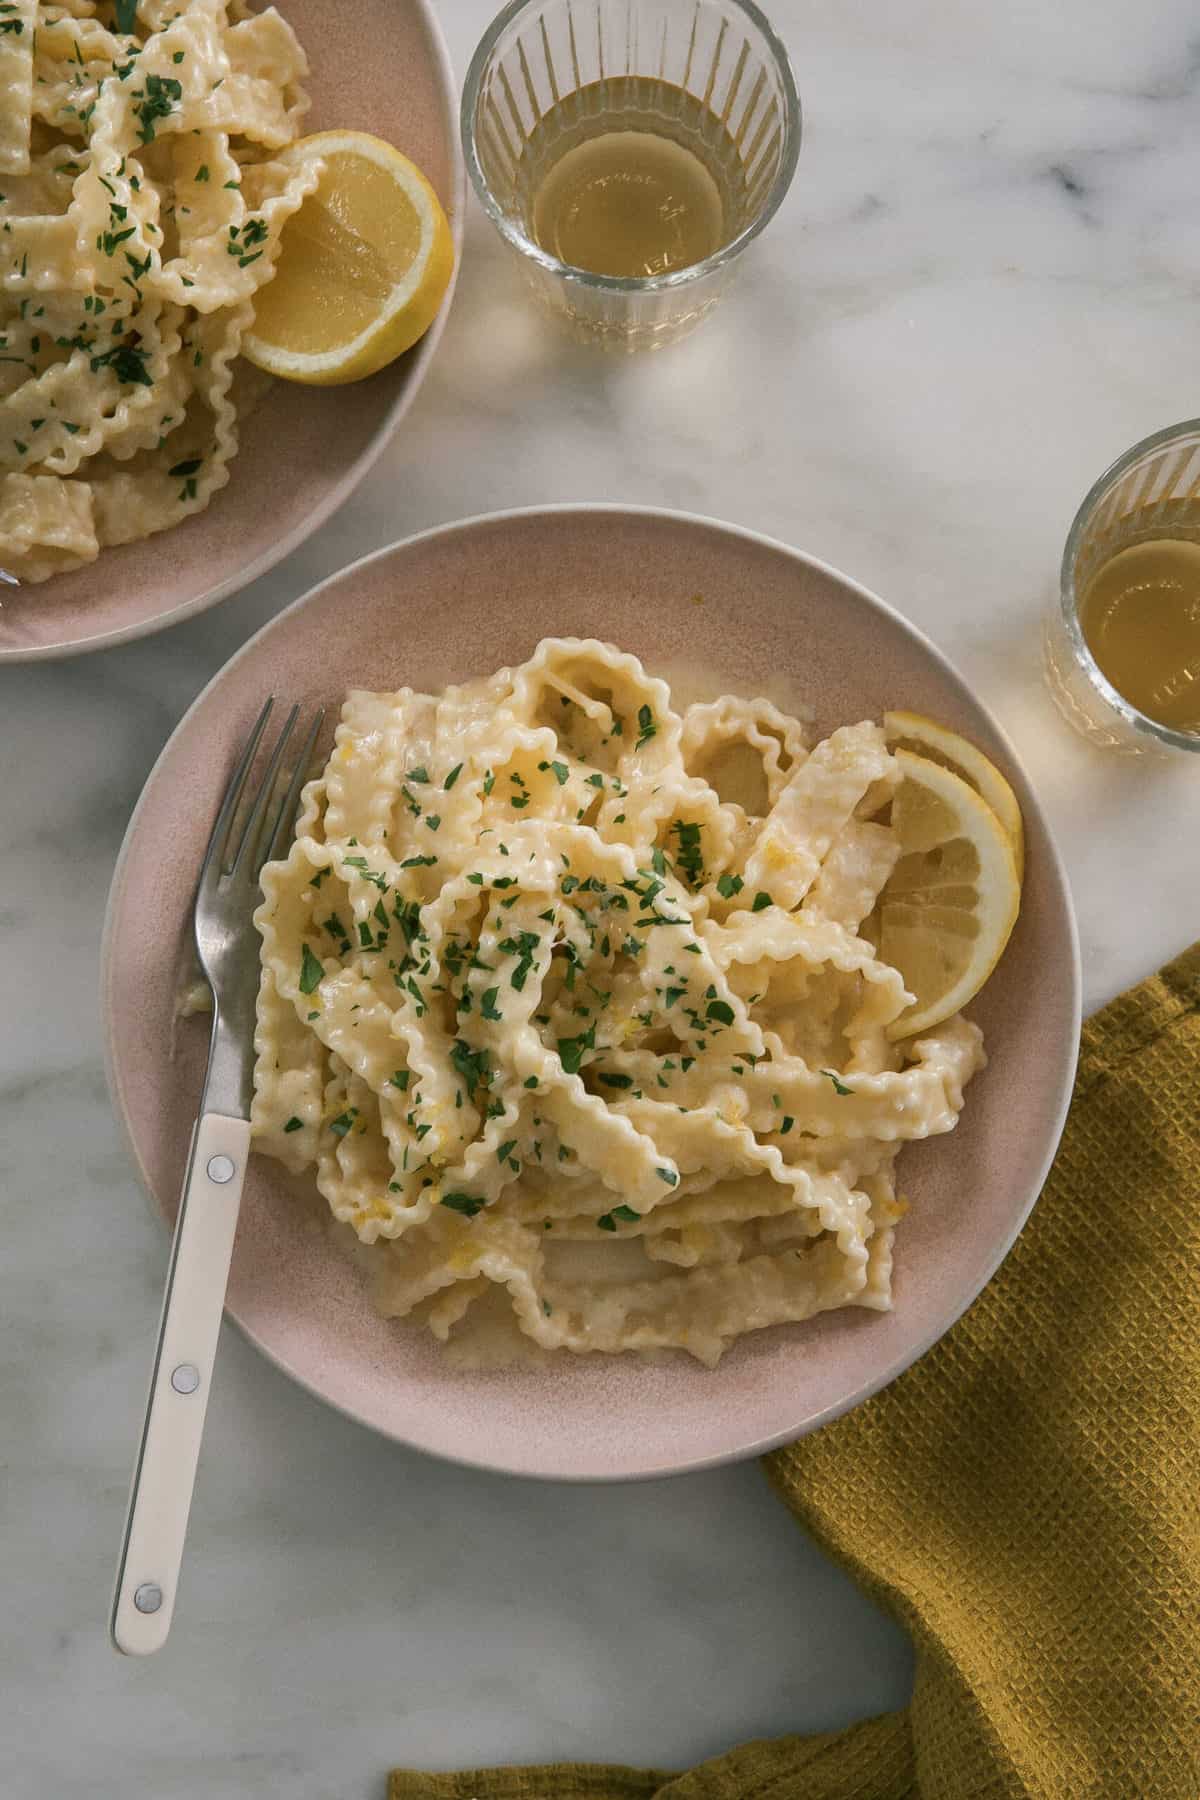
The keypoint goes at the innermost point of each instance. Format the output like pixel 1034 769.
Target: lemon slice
pixel 913 731
pixel 363 265
pixel 951 902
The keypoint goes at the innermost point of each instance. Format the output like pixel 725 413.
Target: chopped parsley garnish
pixel 646 727
pixel 472 1066
pixel 452 777
pixel 294 1124
pixel 467 1204
pixel 128 364
pixel 559 770
pixel 608 1221
pixel 506 1150
pixel 839 1087
pixel 310 972
pixel 433 820
pixel 729 885
pixel 786 1126
pixel 669 1176
pixel 720 1010
pixel 401 1079
pixel 489 782
pixel 344 1122
pixel 160 96
pixel 689 858
pixel 366 871
pixel 333 925
pixel 408 917
pixel 571 1050
pixel 761 901
pixel 419 862
pixel 522 947
pixel 616 1081
pixel 487 1005
pixel 418 774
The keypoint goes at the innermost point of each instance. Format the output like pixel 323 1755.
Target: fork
pixel 164 1473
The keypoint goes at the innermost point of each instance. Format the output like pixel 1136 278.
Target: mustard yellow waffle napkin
pixel 1026 1499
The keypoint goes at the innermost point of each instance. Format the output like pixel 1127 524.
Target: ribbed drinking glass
pixel 1150 493
pixel 709 76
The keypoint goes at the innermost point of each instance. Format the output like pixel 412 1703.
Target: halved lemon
pixel 913 731
pixel 363 266
pixel 952 899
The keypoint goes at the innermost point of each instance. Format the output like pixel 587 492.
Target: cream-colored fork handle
pixel 165 1472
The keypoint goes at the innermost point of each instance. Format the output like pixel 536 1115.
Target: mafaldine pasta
pixel 571 999
pixel 140 210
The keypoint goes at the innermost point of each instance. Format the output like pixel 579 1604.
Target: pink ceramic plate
pixel 461 601
pixel 380 66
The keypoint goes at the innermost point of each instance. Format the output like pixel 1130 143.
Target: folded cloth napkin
pixel 1026 1498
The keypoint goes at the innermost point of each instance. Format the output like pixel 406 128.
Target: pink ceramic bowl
pixel 463 600
pixel 385 69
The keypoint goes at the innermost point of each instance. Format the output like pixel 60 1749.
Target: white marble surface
pixel 982 288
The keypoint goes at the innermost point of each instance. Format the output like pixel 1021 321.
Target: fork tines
pixel 243 840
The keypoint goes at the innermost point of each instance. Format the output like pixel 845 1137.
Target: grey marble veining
pixel 982 289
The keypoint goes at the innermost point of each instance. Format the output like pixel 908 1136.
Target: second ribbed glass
pixel 1149 494
pixel 707 75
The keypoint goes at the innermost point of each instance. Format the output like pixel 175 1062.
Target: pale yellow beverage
pixel 631 177
pixel 1140 615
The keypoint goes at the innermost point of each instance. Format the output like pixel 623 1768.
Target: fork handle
pixel 160 1496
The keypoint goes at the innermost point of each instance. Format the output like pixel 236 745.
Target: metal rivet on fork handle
pixel 221 1169
pixel 148 1597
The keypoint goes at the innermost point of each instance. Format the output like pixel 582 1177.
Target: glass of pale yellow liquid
pixel 1122 642
pixel 629 151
